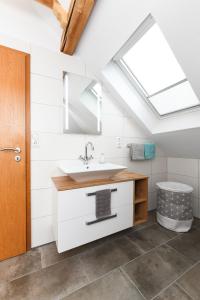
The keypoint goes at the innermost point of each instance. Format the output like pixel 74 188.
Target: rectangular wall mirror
pixel 82 104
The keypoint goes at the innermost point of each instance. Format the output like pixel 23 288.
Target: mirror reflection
pixel 82 99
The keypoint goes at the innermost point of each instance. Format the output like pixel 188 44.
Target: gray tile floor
pixel 145 262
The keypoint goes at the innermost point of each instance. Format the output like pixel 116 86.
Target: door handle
pixel 16 150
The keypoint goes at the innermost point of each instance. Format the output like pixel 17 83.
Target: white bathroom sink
pixel 92 171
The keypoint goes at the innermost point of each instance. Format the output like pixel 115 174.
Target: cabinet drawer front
pixel 75 203
pixel 75 232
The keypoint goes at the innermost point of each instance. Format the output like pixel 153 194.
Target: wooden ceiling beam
pixel 60 13
pixel 48 3
pixel 58 10
pixel 73 22
pixel 78 15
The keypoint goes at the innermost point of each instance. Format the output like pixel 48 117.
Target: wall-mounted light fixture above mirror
pixel 82 104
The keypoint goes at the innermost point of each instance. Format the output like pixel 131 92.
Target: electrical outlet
pixel 35 140
pixel 118 142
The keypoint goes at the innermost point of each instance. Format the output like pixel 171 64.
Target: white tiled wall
pixel 187 171
pixel 46 122
pixel 54 146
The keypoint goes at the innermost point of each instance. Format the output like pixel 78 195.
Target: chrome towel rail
pixel 101 219
pixel 94 194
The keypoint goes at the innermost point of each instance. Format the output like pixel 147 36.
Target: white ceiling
pixel 111 24
pixel 184 143
pixel 30 21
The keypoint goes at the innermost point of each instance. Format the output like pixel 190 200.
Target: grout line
pixel 183 289
pixel 181 253
pixel 151 250
pixel 46 76
pixel 72 135
pixel 41 217
pixel 117 268
pixel 145 226
pixel 33 130
pixel 173 282
pixel 91 282
pixel 68 159
pixel 28 273
pixel 82 267
pixel 85 250
pixel 102 276
pixel 47 104
pixel 112 238
pixel 133 283
pixel 44 188
pixel 183 175
pixel 137 247
pixel 78 255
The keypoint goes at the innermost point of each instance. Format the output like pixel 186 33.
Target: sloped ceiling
pixel 111 24
pixel 30 21
pixel 115 21
pixel 183 143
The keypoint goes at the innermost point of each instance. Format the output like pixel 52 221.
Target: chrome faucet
pixel 87 158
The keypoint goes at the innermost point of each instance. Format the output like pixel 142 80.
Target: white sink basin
pixel 92 171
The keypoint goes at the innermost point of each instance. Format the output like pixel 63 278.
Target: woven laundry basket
pixel 174 206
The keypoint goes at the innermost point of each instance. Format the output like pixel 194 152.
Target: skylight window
pixel 174 99
pixel 153 68
pixel 96 89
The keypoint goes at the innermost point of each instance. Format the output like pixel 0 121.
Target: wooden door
pixel 14 132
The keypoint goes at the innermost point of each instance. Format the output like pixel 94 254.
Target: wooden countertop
pixel 64 183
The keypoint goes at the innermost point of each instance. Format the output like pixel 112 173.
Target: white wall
pixel 55 146
pixel 47 123
pixel 187 171
pixel 184 143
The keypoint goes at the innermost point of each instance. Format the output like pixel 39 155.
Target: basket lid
pixel 174 186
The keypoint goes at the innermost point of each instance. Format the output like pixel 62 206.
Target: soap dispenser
pixel 102 158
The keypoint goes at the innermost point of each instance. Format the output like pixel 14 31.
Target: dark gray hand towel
pixel 103 203
pixel 136 151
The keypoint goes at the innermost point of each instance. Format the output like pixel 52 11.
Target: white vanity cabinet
pixel 73 209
